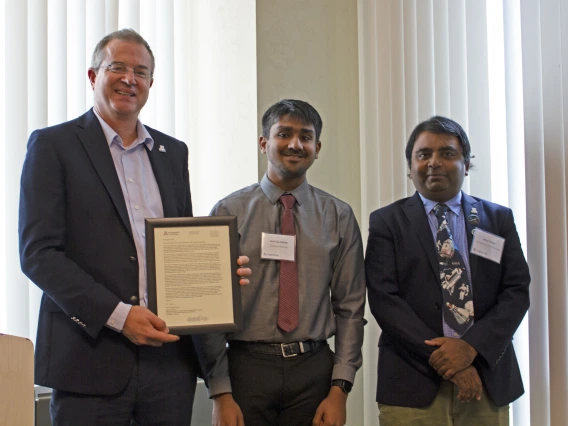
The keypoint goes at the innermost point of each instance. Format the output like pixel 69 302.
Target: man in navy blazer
pixel 425 366
pixel 87 185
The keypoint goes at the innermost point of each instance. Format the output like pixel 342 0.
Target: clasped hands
pixel 452 360
pixel 143 327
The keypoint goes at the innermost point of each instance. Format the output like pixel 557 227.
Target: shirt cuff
pixel 118 317
pixel 343 372
pixel 219 385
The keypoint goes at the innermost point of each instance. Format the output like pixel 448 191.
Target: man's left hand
pixel 452 355
pixel 332 411
pixel 243 272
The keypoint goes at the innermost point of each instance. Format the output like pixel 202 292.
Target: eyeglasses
pixel 120 68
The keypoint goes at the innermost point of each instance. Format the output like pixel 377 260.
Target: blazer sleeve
pixel 491 334
pixel 42 237
pixel 405 330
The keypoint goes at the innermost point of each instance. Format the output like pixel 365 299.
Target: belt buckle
pixel 287 350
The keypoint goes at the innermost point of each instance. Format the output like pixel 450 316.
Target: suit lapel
pixel 468 204
pixel 93 139
pixel 160 161
pixel 414 211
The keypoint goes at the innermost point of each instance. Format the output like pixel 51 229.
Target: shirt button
pixel 130 180
pixel 136 207
pixel 132 259
pixel 144 234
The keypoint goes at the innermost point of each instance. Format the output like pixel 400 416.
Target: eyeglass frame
pixel 127 68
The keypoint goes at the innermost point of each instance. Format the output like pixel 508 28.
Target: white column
pixel 223 114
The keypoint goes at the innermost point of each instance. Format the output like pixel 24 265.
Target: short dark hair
pixel 441 126
pixel 126 34
pixel 298 109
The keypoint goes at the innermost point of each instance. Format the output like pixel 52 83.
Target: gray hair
pixel 127 34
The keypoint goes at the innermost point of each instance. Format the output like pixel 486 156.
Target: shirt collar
pixel 454 204
pixel 112 137
pixel 273 193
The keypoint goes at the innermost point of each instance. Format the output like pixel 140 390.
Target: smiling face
pixel 437 166
pixel 121 96
pixel 291 149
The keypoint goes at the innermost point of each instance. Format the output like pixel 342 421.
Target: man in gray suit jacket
pixel 87 186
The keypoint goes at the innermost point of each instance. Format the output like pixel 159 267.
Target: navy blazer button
pixel 132 259
pixel 134 300
pixel 437 306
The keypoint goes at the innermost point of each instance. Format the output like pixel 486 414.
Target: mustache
pixel 293 152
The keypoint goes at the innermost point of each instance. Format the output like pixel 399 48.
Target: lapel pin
pixel 161 148
pixel 473 218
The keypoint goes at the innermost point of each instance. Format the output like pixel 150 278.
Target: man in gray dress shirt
pixel 269 376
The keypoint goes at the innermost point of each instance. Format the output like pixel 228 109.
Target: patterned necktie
pixel 456 289
pixel 288 301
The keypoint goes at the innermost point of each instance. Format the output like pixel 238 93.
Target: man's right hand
pixel 142 327
pixel 226 412
pixel 468 383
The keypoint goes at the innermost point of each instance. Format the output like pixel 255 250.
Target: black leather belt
pixel 286 350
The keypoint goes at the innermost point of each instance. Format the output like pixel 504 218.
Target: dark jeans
pixel 276 391
pixel 160 392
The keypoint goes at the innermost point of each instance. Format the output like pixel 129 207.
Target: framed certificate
pixel 191 265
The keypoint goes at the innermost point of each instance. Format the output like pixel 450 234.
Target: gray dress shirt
pixel 331 277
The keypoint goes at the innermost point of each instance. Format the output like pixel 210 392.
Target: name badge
pixel 487 245
pixel 278 247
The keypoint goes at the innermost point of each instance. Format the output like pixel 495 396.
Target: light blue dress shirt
pixel 142 198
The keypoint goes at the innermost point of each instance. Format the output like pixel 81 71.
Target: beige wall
pixel 307 49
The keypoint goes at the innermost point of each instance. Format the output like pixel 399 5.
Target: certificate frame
pixel 155 278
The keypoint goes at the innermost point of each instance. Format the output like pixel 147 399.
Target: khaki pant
pixel 446 410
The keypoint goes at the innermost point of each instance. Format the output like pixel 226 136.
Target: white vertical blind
pixel 53 41
pixel 516 177
pixel 94 31
pixel 3 242
pixel 501 70
pixel 57 35
pixel 545 130
pixel 76 49
pixel 165 92
pixel 15 134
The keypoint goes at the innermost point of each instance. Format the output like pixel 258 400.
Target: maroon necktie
pixel 288 304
